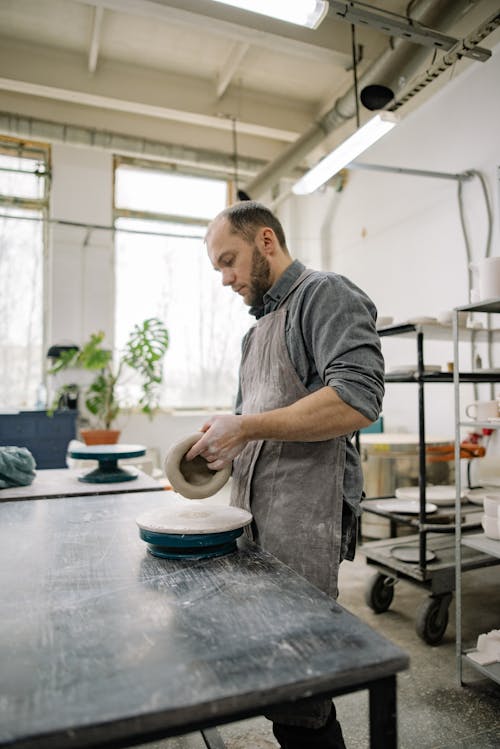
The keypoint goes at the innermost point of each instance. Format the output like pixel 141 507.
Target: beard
pixel 260 276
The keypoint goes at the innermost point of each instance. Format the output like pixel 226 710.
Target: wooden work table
pixel 103 645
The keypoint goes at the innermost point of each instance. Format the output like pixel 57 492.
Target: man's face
pixel 243 267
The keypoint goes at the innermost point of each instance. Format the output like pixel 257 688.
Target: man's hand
pixel 223 439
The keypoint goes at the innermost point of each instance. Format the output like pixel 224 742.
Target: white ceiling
pixel 182 73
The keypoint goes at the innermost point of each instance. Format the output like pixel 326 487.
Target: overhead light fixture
pixel 308 13
pixel 341 156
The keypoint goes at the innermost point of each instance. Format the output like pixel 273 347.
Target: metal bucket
pixel 390 461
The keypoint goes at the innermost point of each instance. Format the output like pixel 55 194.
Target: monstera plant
pixel 143 354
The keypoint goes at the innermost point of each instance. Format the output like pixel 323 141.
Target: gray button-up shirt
pixel 332 340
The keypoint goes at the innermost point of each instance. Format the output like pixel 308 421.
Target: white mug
pixel 482 410
pixel 489 278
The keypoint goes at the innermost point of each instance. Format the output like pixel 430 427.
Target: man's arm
pixel 322 415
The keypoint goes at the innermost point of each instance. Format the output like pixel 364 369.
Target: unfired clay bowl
pixel 193 478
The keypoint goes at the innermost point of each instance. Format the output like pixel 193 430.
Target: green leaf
pixel 144 352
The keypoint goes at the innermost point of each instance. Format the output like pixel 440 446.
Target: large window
pixel 162 270
pixel 23 202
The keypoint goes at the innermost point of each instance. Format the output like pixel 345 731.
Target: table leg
pixel 383 714
pixel 212 738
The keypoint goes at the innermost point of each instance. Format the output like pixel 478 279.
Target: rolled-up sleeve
pixel 337 322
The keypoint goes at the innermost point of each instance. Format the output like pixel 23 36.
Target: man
pixel 311 374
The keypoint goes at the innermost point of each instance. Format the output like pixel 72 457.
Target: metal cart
pixel 426 558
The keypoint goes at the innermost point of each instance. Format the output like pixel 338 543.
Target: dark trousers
pixel 293 736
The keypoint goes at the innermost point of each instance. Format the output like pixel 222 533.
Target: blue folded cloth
pixel 17 467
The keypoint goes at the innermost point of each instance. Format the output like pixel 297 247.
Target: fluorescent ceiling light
pixel 362 139
pixel 308 13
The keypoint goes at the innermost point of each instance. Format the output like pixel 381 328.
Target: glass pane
pixel 21 277
pixel 170 194
pixel 173 279
pixel 21 182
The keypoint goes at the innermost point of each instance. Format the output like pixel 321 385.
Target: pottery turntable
pixel 187 526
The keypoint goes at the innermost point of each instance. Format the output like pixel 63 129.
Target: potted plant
pixel 143 353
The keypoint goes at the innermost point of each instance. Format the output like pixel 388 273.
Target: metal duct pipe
pixel 393 68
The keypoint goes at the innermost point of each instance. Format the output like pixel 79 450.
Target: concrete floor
pixel 434 712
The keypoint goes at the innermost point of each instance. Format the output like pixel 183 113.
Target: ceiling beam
pixel 148 110
pixel 229 68
pixel 95 38
pixel 40 71
pixel 326 44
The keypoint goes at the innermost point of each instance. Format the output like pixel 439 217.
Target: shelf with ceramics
pixel 488 542
pixel 481 376
pixel 429 554
pixel 436 331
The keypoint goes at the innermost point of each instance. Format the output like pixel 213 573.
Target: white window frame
pixel 10 146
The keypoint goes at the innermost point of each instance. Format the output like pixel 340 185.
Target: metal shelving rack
pixel 488 548
pixel 437 576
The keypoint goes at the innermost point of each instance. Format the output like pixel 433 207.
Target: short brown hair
pixel 247 217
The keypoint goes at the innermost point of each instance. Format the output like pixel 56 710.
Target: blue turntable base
pixel 191 546
pixel 107 456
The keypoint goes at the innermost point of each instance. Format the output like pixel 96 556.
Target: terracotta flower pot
pixel 100 436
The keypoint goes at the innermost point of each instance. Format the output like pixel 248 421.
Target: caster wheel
pixel 432 619
pixel 380 592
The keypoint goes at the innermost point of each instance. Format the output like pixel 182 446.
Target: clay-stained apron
pixel 293 489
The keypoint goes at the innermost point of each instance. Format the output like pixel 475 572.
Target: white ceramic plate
pixel 193 516
pixel 404 507
pixel 476 496
pixel 411 554
pixel 441 495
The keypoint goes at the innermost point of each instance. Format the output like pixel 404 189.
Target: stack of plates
pixel 491 518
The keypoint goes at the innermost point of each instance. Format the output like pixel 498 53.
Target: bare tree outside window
pixel 169 276
pixel 22 206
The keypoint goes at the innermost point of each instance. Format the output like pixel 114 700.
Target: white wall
pixel 389 228
pixel 409 226
pixel 80 270
pixel 399 237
